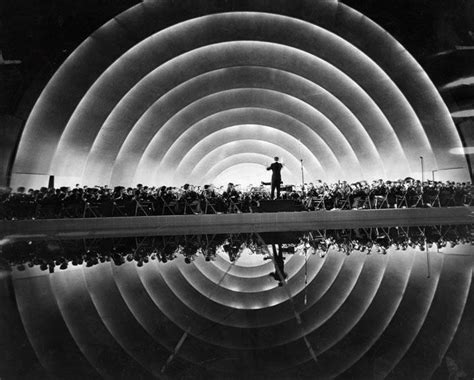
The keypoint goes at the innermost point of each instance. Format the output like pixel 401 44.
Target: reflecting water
pixel 248 249
pixel 230 304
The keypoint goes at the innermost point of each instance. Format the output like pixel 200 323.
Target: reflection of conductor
pixel 276 177
pixel 279 263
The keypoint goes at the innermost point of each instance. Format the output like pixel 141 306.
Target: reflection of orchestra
pixel 48 255
pixel 86 201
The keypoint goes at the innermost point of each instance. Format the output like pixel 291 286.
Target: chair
pixel 367 203
pixel 435 201
pixel 168 207
pixel 91 210
pixel 451 201
pixel 401 200
pixel 380 201
pixel 234 206
pixel 316 203
pixel 209 206
pixel 345 202
pixel 119 209
pixel 469 197
pixel 416 200
pixel 192 206
pixel 143 208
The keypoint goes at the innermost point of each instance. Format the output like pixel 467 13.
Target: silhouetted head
pixel 276 158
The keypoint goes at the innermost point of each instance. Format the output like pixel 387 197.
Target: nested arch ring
pixel 85 142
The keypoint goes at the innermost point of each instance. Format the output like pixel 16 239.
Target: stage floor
pixel 230 223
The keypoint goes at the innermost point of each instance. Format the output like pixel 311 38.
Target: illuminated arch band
pixel 422 129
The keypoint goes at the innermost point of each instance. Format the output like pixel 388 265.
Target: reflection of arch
pixel 363 296
pixel 202 277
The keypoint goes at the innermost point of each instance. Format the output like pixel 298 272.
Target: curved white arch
pixel 383 134
pixel 374 71
pixel 240 164
pixel 270 50
pixel 98 46
pixel 240 77
pixel 201 156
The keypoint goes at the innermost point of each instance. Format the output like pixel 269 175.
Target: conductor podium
pixel 279 205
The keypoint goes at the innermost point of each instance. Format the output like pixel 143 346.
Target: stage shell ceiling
pixel 170 92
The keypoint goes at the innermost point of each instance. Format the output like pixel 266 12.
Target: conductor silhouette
pixel 276 177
